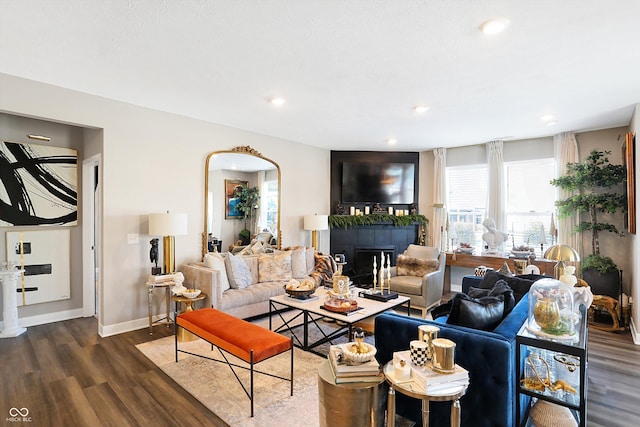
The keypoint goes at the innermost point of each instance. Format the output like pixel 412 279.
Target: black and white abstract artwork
pixel 38 185
pixel 45 256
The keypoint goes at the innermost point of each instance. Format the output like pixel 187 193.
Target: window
pixel 467 198
pixel 530 201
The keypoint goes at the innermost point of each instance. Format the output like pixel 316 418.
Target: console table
pixel 455 259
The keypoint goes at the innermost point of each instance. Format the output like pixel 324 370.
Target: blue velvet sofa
pixel 488 356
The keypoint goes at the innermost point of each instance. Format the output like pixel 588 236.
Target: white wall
pixel 153 162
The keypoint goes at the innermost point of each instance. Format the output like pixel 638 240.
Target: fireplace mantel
pixel 375 237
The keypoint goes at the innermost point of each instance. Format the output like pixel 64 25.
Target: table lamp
pixel 561 253
pixel 168 225
pixel 314 223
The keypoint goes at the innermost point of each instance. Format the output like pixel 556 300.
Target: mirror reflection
pixel 242 201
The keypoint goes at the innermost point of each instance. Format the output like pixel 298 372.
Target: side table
pixel 150 288
pixel 408 389
pixel 184 335
pixel 350 404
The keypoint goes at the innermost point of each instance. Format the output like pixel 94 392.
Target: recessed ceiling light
pixel 494 26
pixel 392 141
pixel 552 122
pixel 547 117
pixel 420 108
pixel 278 101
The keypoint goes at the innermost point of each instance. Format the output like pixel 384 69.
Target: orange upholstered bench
pixel 249 342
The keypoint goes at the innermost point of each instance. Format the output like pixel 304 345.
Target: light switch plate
pixel 133 239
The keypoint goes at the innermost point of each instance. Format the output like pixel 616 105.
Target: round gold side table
pixel 406 387
pixel 183 335
pixel 350 404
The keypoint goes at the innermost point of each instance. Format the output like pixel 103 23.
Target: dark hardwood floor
pixel 66 375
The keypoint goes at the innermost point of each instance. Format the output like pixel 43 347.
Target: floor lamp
pixel 314 223
pixel 168 225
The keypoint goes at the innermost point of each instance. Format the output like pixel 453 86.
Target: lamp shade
pixel 167 224
pixel 562 253
pixel 316 222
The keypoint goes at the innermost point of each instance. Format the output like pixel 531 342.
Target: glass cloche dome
pixel 551 309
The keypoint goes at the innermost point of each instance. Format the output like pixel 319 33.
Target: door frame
pixel 91 276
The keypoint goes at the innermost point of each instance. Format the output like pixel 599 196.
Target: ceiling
pixel 351 70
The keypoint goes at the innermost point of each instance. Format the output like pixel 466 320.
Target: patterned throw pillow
pixel 410 266
pixel 274 268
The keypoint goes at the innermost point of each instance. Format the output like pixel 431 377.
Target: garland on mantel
pixel 347 221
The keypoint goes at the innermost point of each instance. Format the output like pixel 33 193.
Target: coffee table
pixel 311 311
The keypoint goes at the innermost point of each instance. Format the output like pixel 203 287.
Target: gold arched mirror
pixel 226 173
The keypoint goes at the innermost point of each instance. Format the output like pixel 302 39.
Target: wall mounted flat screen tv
pixel 368 182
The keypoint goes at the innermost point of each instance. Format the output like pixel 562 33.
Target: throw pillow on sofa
pixel 237 271
pixel 478 313
pixel 500 288
pixel 215 261
pixel 274 268
pixel 410 266
pixel 519 284
pixel 299 263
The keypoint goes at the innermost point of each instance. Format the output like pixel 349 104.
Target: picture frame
pixel 629 162
pixel 230 188
pixel 40 186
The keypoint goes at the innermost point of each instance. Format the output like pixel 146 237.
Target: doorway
pixel 91 226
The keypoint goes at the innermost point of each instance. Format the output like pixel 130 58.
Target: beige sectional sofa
pixel 241 285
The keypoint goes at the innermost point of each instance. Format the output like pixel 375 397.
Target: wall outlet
pixel 133 239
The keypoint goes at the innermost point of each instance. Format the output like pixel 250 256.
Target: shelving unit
pixel 554 352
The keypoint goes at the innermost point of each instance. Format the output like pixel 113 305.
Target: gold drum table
pixel 351 404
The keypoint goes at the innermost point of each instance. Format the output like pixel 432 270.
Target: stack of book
pixel 431 380
pixel 345 371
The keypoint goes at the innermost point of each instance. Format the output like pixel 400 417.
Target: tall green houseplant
pixel 600 192
pixel 247 204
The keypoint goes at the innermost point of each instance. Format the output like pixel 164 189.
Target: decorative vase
pixel 547 314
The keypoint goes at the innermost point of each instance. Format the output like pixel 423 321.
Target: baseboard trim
pixel 42 319
pixel 131 325
pixel 103 331
pixel 635 336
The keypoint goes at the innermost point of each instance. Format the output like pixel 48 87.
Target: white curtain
pixel 496 194
pixel 438 232
pixel 566 151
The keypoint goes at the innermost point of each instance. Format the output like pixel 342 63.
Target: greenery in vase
pixel 598 183
pixel 248 198
pixel 346 221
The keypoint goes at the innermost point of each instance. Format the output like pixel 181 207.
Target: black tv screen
pixel 367 182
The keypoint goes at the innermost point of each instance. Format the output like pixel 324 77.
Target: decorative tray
pixel 383 296
pixel 340 307
pixel 344 313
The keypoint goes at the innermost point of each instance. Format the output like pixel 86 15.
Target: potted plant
pixel 599 193
pixel 248 198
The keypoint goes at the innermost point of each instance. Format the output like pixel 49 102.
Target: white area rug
pixel 214 385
